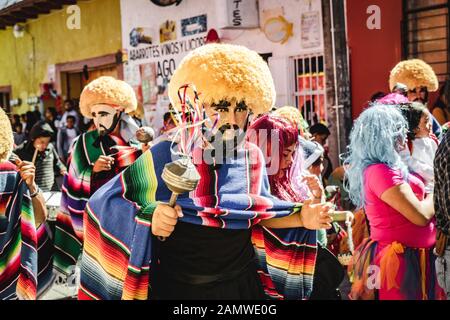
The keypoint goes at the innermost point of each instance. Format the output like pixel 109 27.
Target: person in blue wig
pixel 396 262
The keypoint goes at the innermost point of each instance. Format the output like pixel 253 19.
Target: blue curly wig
pixel 377 136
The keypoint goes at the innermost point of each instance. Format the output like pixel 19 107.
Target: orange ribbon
pixel 390 264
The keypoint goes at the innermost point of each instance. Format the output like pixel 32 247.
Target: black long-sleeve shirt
pixel 442 185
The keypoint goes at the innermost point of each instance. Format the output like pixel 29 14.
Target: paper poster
pixel 51 73
pixel 141 36
pixel 149 87
pixel 310 29
pixel 132 74
pixel 167 31
pixel 194 25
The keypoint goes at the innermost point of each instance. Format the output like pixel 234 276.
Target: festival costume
pixel 401 250
pixel 416 74
pixel 18 243
pixel 81 182
pixel 120 256
pixel 118 242
pixel 18 234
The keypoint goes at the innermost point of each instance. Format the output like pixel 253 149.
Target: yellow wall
pixel 100 34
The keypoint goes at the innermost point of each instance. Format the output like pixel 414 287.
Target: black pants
pixel 327 277
pixel 240 285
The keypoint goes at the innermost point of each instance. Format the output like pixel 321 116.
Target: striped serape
pixel 45 258
pixel 18 243
pixel 78 185
pixel 287 261
pixel 117 254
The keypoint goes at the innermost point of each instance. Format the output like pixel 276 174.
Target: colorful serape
pixel 45 258
pixel 287 261
pixel 76 190
pixel 18 243
pixel 117 255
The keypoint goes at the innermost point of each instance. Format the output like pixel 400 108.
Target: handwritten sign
pixel 310 29
pixel 241 14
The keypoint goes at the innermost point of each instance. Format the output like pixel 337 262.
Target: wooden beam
pixel 15 19
pixel 30 9
pixel 8 20
pixel 23 14
pixel 34 11
pixel 37 9
pixel 61 3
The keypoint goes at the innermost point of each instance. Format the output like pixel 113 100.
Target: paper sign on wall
pixel 167 31
pixel 149 87
pixel 310 29
pixel 194 25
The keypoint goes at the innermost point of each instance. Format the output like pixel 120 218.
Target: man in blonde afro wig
pixel 415 78
pixel 21 215
pixel 208 251
pixel 95 158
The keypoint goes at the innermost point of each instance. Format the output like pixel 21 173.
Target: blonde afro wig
pixel 414 74
pixel 293 115
pixel 6 137
pixel 110 91
pixel 225 72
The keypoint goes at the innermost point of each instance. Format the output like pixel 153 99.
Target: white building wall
pixel 143 13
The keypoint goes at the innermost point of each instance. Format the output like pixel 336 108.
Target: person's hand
pixel 314 185
pixel 164 220
pixel 27 171
pixel 316 216
pixel 104 163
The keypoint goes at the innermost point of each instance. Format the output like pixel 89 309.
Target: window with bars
pixel 309 87
pixel 426 34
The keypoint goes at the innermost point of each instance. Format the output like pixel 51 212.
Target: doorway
pixel 5 96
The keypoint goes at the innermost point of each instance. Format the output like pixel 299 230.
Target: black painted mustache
pixel 228 126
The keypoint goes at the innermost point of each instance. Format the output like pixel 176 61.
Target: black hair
pixel 70 102
pixel 41 129
pixel 53 112
pixel 413 112
pixel 377 96
pixel 319 128
pixel 425 90
pixel 71 117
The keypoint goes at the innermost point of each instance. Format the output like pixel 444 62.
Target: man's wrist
pixel 35 192
pixel 33 187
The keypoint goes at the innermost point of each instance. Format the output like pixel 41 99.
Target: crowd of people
pixel 233 199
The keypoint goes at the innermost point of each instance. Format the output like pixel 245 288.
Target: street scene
pixel 224 150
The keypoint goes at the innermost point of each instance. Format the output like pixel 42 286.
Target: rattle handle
pixel 172 203
pixel 173 200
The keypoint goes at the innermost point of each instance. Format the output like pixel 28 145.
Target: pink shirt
pixel 387 224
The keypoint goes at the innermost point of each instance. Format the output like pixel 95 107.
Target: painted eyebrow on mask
pixel 221 104
pixel 242 105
